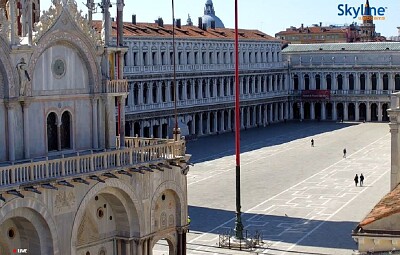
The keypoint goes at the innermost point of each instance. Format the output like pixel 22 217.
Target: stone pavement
pixel 301 198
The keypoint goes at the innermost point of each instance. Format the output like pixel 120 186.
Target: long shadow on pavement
pixel 328 234
pixel 213 147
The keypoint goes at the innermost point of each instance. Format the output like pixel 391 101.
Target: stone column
pixel 271 115
pixel 229 120
pixel 201 124
pixel 281 113
pixel 301 111
pixel 286 111
pixel 323 111
pixel 312 104
pixel 121 100
pixel 334 111
pixel 379 111
pixel 25 109
pixel 395 140
pixel 139 247
pixel 345 111
pixel 208 123
pixel 223 129
pixel 334 81
pixel 216 122
pixel 241 117
pixel 357 82
pixel 140 98
pixel 95 135
pixel 368 104
pixel 357 110
pixel 276 112
pixel 11 129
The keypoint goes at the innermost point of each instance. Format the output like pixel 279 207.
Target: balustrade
pixel 117 86
pixel 136 151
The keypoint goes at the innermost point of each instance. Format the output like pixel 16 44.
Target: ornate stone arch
pixel 8 70
pixel 171 240
pixel 169 185
pixel 73 40
pixel 113 187
pixel 33 210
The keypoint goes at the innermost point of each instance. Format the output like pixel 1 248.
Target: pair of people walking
pixel 356 178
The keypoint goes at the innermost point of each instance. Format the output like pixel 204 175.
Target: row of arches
pixel 104 223
pixel 198 56
pixel 352 81
pixel 163 91
pixel 359 111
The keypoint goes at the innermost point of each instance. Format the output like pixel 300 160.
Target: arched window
pixel 65 130
pixel 317 82
pixel 340 82
pixel 306 82
pixel 328 82
pixel 296 82
pixel 52 137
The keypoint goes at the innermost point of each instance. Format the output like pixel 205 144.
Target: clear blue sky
pixel 269 16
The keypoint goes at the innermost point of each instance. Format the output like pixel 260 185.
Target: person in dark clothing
pixel 344 152
pixel 356 180
pixel 312 142
pixel 361 179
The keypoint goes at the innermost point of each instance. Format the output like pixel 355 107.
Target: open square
pixel 303 199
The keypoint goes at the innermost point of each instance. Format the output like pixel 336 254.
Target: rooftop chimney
pixel 320 24
pixel 204 26
pixel 134 19
pixel 200 25
pixel 212 24
pixel 302 26
pixel 112 19
pixel 178 23
pixel 160 22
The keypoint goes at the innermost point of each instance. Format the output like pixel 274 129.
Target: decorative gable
pixel 63 14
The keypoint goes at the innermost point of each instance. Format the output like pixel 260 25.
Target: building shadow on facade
pixel 287 229
pixel 217 146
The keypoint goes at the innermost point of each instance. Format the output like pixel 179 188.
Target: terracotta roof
pixel 313 30
pixel 153 30
pixel 389 205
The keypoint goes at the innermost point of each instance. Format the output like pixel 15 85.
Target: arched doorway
pixel 317 109
pixel 164 130
pixel 109 210
pixel 385 116
pixel 340 111
pixel 164 246
pixel 374 112
pixel 307 111
pixel 296 111
pixel 136 129
pixel 328 109
pixel 166 217
pixel 362 111
pixel 351 112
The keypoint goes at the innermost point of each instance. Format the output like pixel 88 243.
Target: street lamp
pixel 238 221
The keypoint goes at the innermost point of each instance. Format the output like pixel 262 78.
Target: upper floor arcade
pixel 150 49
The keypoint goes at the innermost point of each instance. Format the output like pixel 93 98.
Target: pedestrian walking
pixel 188 221
pixel 344 153
pixel 356 180
pixel 312 142
pixel 361 179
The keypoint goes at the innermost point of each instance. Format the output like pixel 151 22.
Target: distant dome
pixel 209 15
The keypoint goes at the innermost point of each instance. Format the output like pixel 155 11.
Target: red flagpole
pixel 238 222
